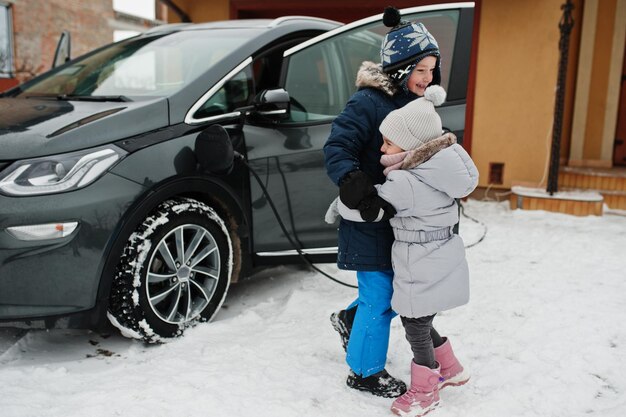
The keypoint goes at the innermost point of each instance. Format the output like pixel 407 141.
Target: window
pixel 314 96
pixel 235 93
pixel 155 65
pixel 239 91
pixel 321 78
pixel 6 44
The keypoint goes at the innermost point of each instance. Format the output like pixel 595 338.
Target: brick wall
pixel 38 25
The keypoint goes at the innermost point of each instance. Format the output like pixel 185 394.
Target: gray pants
pixel 423 338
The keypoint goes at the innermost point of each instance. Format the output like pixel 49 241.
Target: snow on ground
pixel 543 335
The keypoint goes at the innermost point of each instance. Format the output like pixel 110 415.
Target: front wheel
pixel 174 271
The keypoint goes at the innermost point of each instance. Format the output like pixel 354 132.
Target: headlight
pixel 58 173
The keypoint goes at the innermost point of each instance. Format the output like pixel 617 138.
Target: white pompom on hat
pixel 416 123
pixel 436 94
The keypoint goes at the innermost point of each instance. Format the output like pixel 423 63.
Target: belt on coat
pixel 422 236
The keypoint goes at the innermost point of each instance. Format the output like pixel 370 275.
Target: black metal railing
pixel 565 26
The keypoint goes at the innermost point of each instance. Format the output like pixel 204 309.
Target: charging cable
pixel 475 221
pixel 295 245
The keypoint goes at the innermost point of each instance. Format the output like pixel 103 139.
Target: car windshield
pixel 157 65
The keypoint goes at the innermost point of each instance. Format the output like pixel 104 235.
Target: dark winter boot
pixel 342 323
pixel 381 384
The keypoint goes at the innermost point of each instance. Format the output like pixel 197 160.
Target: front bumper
pixel 60 276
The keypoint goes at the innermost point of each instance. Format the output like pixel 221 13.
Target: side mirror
pixel 273 104
pixel 62 53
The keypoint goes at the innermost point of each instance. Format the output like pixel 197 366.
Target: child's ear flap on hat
pixel 437 73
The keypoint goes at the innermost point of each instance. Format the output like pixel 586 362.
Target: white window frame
pixel 9 23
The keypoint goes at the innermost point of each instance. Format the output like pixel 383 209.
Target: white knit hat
pixel 416 123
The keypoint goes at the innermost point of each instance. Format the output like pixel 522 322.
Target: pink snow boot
pixel 451 369
pixel 423 394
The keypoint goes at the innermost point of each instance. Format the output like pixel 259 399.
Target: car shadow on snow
pixel 20 346
pixel 269 285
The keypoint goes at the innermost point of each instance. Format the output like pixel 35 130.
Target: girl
pixel 426 171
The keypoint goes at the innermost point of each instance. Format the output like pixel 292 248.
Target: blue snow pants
pixel 369 338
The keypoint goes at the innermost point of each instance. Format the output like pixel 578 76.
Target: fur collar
pixel 422 154
pixel 371 75
pixel 410 159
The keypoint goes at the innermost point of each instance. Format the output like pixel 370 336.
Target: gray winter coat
pixel 430 269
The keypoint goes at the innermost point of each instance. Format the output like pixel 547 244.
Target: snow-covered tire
pixel 174 272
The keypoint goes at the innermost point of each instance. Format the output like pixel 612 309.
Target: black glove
pixel 370 208
pixel 354 187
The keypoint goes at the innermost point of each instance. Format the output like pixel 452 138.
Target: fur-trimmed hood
pixel 371 74
pixel 426 151
pixel 441 164
pixel 414 157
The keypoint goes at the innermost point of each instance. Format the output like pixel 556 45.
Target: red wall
pixel 343 11
pixel 6 83
pixel 37 26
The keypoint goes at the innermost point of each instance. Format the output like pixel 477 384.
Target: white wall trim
pixel 583 82
pixel 615 82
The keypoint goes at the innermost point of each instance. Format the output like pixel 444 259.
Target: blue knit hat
pixel 404 46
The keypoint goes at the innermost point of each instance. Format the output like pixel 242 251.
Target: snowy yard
pixel 543 335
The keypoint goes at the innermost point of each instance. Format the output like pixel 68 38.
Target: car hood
pixel 31 127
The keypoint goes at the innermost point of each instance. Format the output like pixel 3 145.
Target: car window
pixel 151 65
pixel 321 78
pixel 235 93
pixel 312 83
pixel 262 73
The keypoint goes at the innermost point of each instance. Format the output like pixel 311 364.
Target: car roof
pixel 308 22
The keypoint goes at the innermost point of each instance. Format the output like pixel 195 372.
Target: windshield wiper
pixel 71 97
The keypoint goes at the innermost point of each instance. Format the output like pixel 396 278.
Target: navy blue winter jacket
pixel 354 144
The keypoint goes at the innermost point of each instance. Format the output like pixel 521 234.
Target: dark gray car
pixel 104 211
